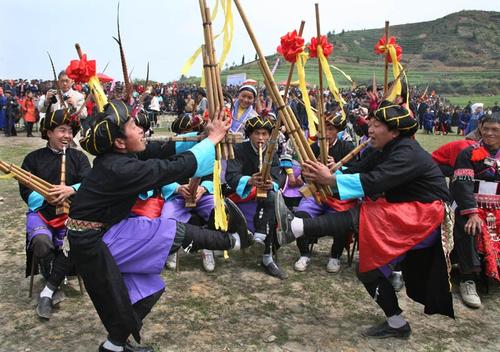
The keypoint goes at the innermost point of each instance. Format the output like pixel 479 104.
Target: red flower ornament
pixel 81 70
pixel 325 45
pixel 291 45
pixel 380 48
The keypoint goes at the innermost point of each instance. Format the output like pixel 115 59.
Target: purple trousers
pixel 35 226
pixel 176 208
pixel 140 247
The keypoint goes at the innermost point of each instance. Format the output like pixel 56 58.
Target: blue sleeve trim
pixel 243 189
pixel 276 187
pixel 204 153
pixel 209 185
pixel 35 201
pixel 349 186
pixel 168 191
pixel 183 146
pixel 76 186
pixel 144 196
pixel 286 164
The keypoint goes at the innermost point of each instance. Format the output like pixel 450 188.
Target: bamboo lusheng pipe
pixel 350 155
pixel 261 193
pixel 294 131
pixel 29 180
pixel 286 112
pixel 63 209
pixel 26 178
pixel 323 145
pixel 386 67
pixel 273 140
pixel 215 94
pixel 19 170
pixel 232 138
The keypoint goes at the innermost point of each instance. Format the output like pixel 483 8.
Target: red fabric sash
pixel 57 223
pixel 150 207
pixel 388 230
pixel 339 205
pixel 237 199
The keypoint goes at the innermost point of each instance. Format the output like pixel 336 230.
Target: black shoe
pixel 284 219
pixel 131 348
pixel 238 224
pixel 44 307
pixel 274 270
pixel 58 297
pixel 383 331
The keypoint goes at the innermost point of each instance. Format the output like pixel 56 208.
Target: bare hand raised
pixel 218 127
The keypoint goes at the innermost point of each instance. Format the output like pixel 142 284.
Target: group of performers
pixel 128 211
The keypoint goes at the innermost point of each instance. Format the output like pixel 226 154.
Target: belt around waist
pixel 83 225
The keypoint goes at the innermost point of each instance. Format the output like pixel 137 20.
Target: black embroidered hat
pixel 107 127
pixel 58 118
pixel 396 117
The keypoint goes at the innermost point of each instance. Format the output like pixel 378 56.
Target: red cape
pixel 388 230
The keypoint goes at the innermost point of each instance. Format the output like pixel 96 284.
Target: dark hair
pixel 62 73
pixel 494 118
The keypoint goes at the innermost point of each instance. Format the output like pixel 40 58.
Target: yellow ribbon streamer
pixel 219 207
pixel 312 119
pixel 331 82
pixel 395 70
pixel 7 176
pixel 99 96
pixel 227 30
pixel 345 74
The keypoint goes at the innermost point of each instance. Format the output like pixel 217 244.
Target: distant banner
pixel 236 79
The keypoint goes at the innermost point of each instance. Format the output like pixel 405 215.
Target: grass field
pixel 488 101
pixel 235 308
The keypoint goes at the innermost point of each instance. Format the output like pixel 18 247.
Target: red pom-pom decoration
pixel 291 45
pixel 325 45
pixel 81 70
pixel 380 48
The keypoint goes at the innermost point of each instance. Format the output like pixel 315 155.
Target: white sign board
pixel 236 79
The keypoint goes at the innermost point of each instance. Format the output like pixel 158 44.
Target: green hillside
pixel 458 54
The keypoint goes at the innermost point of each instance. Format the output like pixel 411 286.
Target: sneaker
pixel 274 270
pixel 469 294
pixel 397 280
pixel 238 224
pixel 333 265
pixel 208 260
pixel 44 307
pixel 284 219
pixel 172 261
pixel 383 331
pixel 301 264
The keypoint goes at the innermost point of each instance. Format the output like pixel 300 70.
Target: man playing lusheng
pixel 399 220
pixel 120 258
pixel 45 228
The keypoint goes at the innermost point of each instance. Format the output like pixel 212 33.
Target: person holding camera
pixel 72 99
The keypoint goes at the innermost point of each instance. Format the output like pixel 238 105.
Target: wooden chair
pixel 34 263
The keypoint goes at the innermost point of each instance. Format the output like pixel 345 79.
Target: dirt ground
pixel 235 308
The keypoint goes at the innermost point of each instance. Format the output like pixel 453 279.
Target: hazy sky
pixel 166 32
